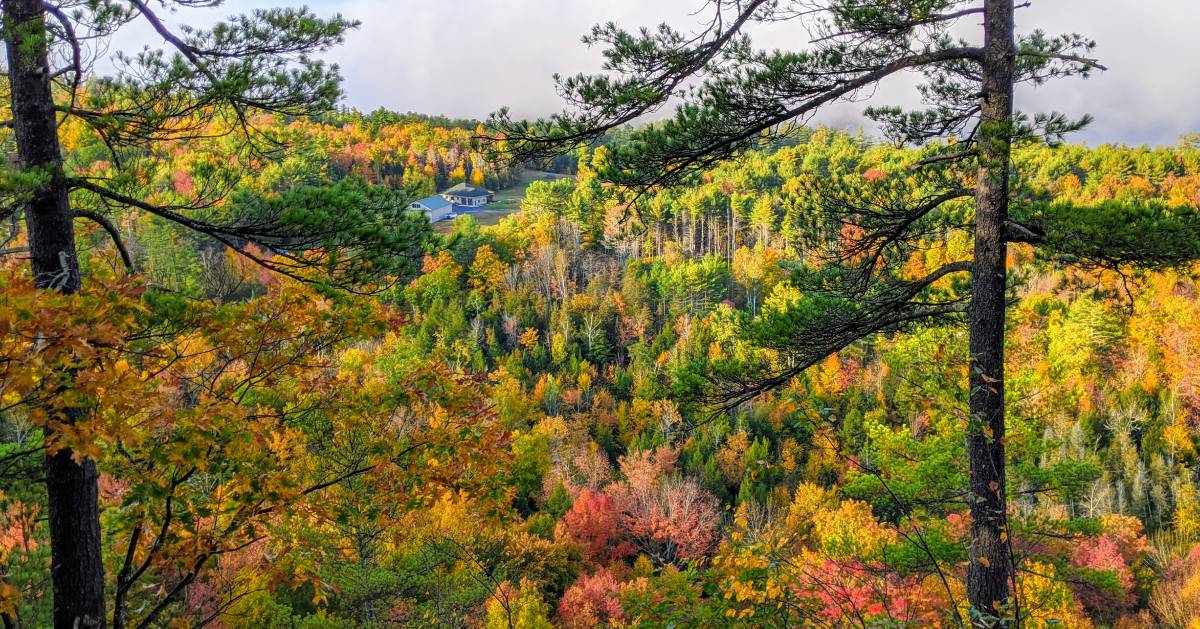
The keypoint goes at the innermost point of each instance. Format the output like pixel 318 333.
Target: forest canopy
pixel 243 384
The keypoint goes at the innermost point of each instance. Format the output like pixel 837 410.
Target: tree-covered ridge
pixel 520 435
pixel 338 178
pixel 406 151
pixel 612 326
pixel 972 56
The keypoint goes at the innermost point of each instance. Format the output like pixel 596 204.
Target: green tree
pixel 762 218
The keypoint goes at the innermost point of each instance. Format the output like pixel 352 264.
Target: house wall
pixel 434 215
pixel 467 201
pixel 437 215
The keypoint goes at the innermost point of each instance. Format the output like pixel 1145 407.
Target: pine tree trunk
pixel 76 568
pixel 989 571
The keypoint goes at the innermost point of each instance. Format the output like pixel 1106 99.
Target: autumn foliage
pixel 516 436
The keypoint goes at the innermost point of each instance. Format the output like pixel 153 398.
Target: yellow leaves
pixel 59 352
pixel 829 377
pixel 851 530
pixel 664 359
pixel 731 456
pixel 984 561
pixel 520 609
pixel 437 417
pixel 283 443
pixel 320 596
pixel 741 523
pixel 1179 438
pixel 8 599
pixel 810 499
pixel 790 451
pixel 743 592
pixel 1186 519
pixel 236 415
pixel 747 595
pixel 353 360
pixel 1048 599
pixel 121 367
pixel 84 451
pixel 529 339
pixel 487 270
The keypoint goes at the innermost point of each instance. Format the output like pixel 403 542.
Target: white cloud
pixel 467 58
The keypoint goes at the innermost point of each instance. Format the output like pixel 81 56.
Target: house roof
pixel 466 190
pixel 434 202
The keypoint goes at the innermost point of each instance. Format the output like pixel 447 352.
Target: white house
pixel 459 197
pixel 435 207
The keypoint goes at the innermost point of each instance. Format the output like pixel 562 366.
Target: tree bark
pixel 77 569
pixel 989 571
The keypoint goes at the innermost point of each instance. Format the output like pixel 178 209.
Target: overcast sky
pixel 466 58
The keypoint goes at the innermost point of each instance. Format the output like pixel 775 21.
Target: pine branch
pixel 107 225
pixel 888 309
pixel 1087 62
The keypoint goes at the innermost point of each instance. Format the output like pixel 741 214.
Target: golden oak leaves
pixel 62 353
pixel 212 423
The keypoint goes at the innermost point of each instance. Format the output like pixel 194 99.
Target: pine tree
pixel 601 351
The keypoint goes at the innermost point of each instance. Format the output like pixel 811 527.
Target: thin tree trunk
pixel 732 231
pixel 989 571
pixel 76 567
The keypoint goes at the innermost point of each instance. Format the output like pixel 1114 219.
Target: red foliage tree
pixel 1116 551
pixel 849 589
pixel 1103 554
pixel 592 524
pixel 667 517
pixel 593 600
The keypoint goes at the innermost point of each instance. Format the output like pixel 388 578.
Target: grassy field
pixel 505 202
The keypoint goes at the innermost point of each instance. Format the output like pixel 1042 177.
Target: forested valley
pixel 257 389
